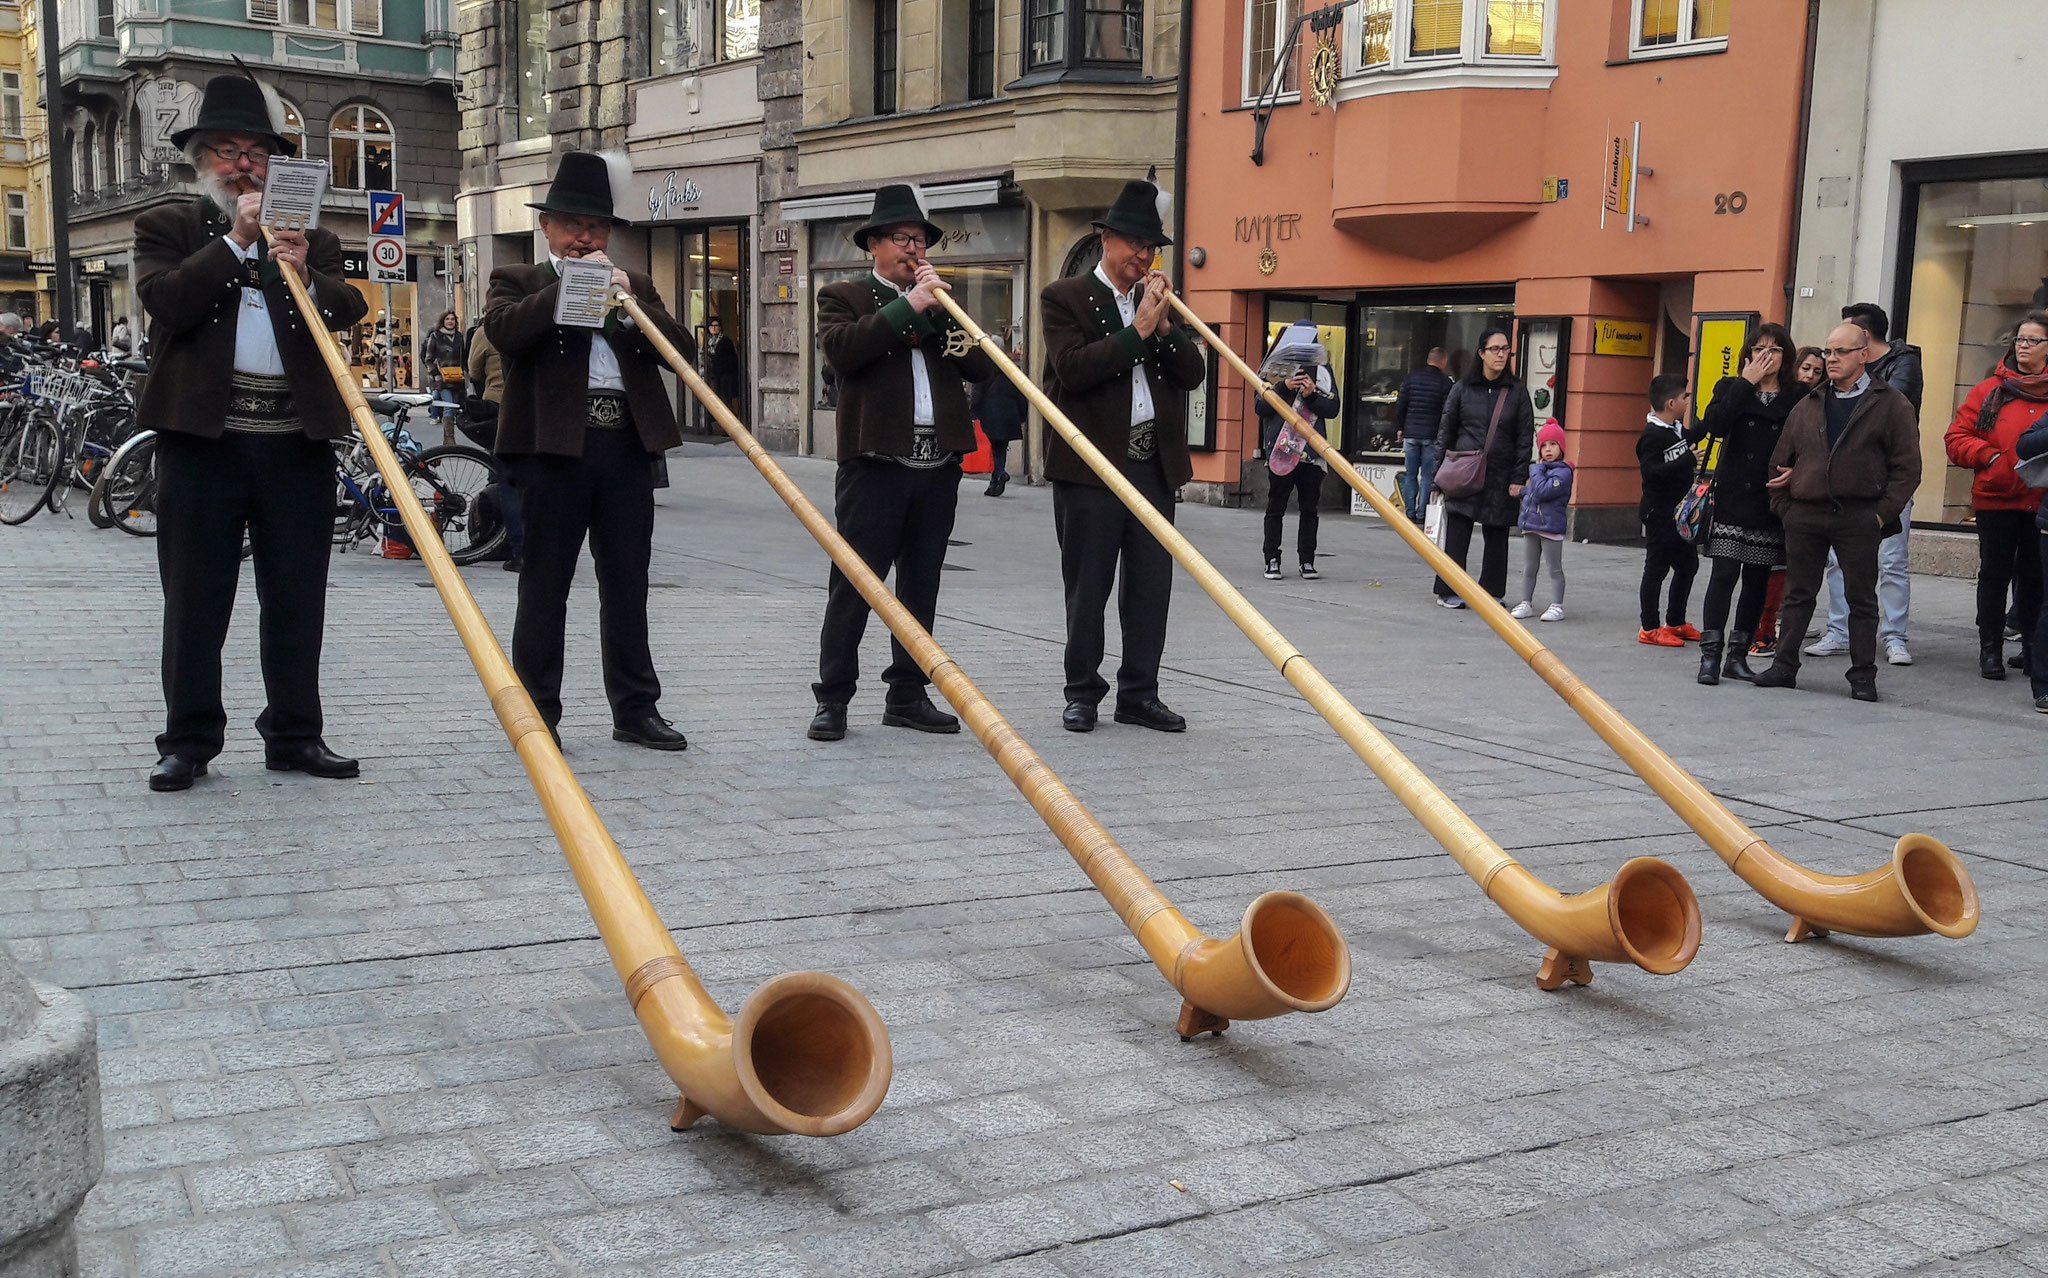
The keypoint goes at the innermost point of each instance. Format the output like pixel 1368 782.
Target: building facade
pixel 368 85
pixel 679 89
pixel 1019 119
pixel 1933 206
pixel 1611 181
pixel 24 166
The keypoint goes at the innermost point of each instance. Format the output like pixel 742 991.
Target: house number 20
pixel 1732 202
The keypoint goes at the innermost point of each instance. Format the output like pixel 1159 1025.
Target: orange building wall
pixel 1380 183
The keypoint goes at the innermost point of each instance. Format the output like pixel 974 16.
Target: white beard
pixel 221 192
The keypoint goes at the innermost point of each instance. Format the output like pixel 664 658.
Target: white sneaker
pixel 1554 612
pixel 1895 652
pixel 1451 602
pixel 1522 609
pixel 1827 647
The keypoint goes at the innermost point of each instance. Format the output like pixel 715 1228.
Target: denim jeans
pixel 1894 588
pixel 1422 457
pixel 447 402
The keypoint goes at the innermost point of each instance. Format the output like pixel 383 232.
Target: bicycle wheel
pixel 31 464
pixel 448 480
pixel 96 502
pixel 129 483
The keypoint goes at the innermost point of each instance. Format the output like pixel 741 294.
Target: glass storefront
pixel 380 336
pixel 711 268
pixel 1978 259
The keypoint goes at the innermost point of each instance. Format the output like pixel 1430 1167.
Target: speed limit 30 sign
pixel 387 260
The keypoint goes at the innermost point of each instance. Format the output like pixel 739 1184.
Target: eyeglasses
pixel 1493 350
pixel 1842 352
pixel 2028 343
pixel 230 153
pixel 908 240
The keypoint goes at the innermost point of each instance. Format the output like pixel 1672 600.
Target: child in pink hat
pixel 1544 501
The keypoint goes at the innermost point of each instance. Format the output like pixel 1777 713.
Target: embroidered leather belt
pixel 607 410
pixel 260 405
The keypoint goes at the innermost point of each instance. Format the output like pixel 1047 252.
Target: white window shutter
pixel 264 10
pixel 366 17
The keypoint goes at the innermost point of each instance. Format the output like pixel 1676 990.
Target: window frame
pixel 984 22
pixel 884 34
pixel 712 30
pixel 16 207
pixel 1471 52
pixel 1072 17
pixel 1682 46
pixel 12 106
pixel 360 136
pixel 530 14
pixel 351 17
pixel 1255 90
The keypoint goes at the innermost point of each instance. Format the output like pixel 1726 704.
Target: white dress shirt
pixel 1141 385
pixel 255 340
pixel 920 376
pixel 604 361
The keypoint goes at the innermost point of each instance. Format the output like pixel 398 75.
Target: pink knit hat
pixel 1552 433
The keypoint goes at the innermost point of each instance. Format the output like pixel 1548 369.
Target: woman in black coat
pixel 999 406
pixel 1743 421
pixel 1468 410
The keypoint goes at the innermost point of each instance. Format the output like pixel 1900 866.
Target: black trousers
pixel 1721 582
pixel 1810 532
pixel 1493 557
pixel 893 516
pixel 1667 552
pixel 1097 532
pixel 2008 557
pixel 1306 480
pixel 2039 673
pixel 608 495
pixel 281 488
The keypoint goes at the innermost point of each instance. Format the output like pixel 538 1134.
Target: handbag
pixel 1463 474
pixel 1695 514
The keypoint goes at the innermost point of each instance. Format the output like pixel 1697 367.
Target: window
pixel 531 21
pixel 981 49
pixel 671 35
pixel 688 33
pixel 1267 24
pixel 739 29
pixel 294 124
pixel 1680 26
pixel 17 221
pixel 1115 31
pixel 10 103
pixel 1104 33
pixel 1419 35
pixel 103 19
pixel 885 57
pixel 359 149
pixel 358 17
pixel 1045 33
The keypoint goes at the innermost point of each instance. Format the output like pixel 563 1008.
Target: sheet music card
pixel 585 295
pixel 292 191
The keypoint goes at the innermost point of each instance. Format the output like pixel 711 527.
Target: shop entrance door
pixel 714 286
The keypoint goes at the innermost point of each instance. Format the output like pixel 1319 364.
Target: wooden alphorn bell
pixel 1287 954
pixel 807 1054
pixel 1924 888
pixel 1646 915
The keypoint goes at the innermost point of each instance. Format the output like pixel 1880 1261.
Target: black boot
pixel 1737 665
pixel 1991 658
pixel 2024 658
pixel 1710 657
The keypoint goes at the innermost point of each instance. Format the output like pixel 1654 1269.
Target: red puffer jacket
pixel 1990 453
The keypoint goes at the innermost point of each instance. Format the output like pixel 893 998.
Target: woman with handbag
pixel 1486 439
pixel 1744 539
pixel 444 355
pixel 1984 437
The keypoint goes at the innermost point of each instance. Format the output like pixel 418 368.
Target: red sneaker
pixel 1662 637
pixel 1687 632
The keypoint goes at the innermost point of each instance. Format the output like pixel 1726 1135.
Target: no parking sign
pixel 387 237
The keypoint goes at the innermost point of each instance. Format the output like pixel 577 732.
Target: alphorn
pixel 1925 888
pixel 1286 955
pixel 807 1054
pixel 1646 915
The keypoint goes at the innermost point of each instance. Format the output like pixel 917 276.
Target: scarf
pixel 2012 384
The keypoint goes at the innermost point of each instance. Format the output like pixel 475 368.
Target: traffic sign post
pixel 386 261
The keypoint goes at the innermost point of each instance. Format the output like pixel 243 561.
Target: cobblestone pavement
pixel 367 1028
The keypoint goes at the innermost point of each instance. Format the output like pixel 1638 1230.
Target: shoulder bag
pixel 1695 514
pixel 1463 474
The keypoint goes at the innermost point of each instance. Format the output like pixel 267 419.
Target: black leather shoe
pixel 653 732
pixel 997 485
pixel 312 758
pixel 1777 676
pixel 514 563
pixel 175 772
pixel 1863 684
pixel 1991 660
pixel 1151 713
pixel 1079 716
pixel 920 714
pixel 829 724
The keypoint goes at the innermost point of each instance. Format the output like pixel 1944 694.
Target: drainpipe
pixel 1181 91
pixel 1799 161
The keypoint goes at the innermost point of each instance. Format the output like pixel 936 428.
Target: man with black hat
pixel 243 407
pixel 584 419
pixel 1117 366
pixel 903 426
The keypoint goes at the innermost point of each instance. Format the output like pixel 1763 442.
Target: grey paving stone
pixel 265 1182
pixel 212 1244
pixel 364 1223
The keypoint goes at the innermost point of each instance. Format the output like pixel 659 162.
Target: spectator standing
pixel 1983 437
pixel 1897 365
pixel 10 342
pixel 1845 467
pixel 1000 408
pixel 446 356
pixel 1290 469
pixel 2033 449
pixel 1546 500
pixel 1743 423
pixel 479 421
pixel 1811 371
pixel 1418 411
pixel 1468 419
pixel 1664 451
pixel 722 363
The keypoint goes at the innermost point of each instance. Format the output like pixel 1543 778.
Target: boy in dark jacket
pixel 1665 454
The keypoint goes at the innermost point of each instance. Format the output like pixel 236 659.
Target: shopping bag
pixel 1433 520
pixel 982 460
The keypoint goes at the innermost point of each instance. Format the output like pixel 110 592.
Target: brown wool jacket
pixel 1090 355
pixel 1877 459
pixel 865 332
pixel 547 367
pixel 190 282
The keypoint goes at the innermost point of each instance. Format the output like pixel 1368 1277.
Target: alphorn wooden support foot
pixel 1801 929
pixel 686 1113
pixel 1194 1021
pixel 1559 967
